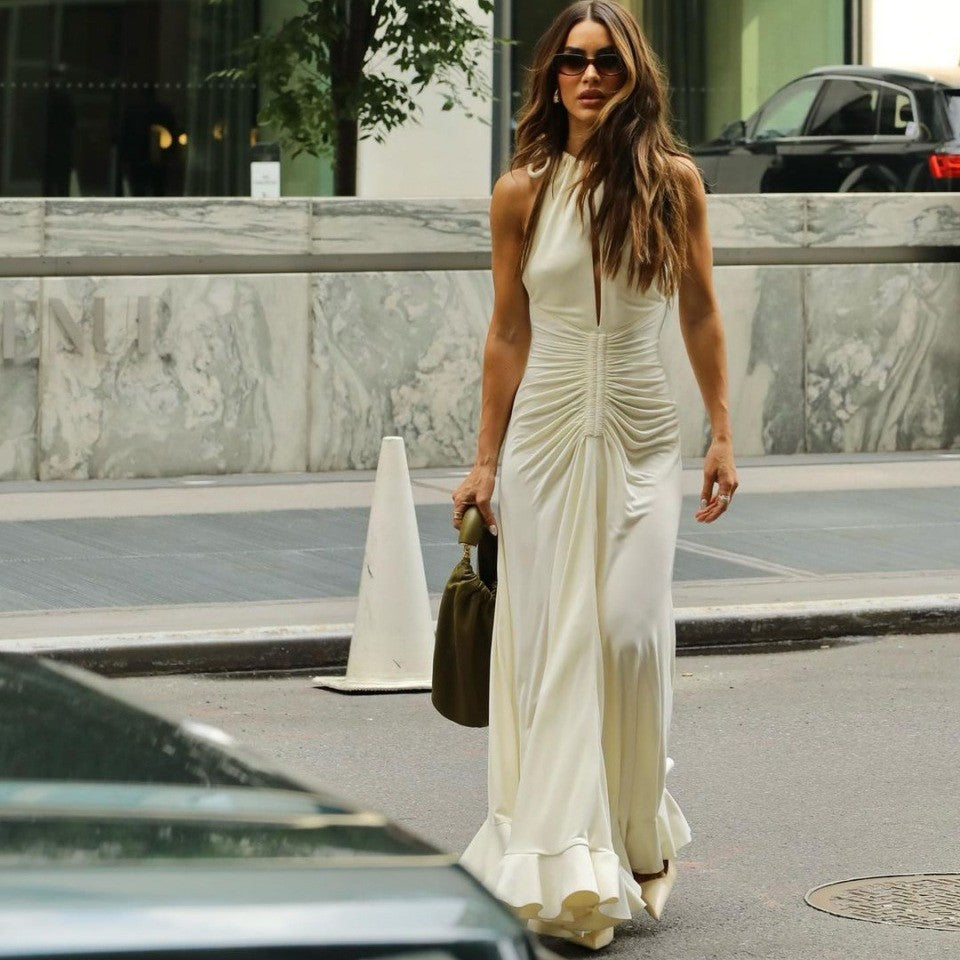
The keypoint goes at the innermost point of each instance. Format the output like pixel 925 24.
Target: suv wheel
pixel 869 186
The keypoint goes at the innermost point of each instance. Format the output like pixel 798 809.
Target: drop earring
pixel 556 95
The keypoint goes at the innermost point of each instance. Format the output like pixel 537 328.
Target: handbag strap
pixel 474 533
pixel 471 526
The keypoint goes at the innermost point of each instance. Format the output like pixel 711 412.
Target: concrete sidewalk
pixel 261 572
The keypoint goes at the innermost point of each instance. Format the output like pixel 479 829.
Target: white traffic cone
pixel 393 636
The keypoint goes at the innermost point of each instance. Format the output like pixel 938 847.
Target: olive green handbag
pixel 461 654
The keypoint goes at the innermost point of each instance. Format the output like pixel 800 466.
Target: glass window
pixel 848 108
pixel 723 58
pixel 896 113
pixel 784 113
pixel 953 111
pixel 106 99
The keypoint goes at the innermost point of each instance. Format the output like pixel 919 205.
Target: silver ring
pixel 724 497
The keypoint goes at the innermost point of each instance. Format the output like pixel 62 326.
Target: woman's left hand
pixel 719 469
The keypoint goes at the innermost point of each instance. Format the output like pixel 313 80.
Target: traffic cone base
pixel 346 684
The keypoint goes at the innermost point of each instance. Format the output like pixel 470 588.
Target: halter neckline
pixel 565 158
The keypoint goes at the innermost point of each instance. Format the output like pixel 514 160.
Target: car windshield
pixel 953 112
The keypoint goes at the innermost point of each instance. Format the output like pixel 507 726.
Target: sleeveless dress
pixel 583 651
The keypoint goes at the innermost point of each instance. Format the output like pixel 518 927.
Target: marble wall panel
pixel 756 220
pixel 883 357
pixel 220 386
pixel 762 313
pixel 290 372
pixel 885 220
pixel 176 226
pixel 385 361
pixel 21 228
pixel 19 352
pixel 350 226
pixel 397 354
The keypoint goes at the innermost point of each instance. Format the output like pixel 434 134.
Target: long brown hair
pixel 629 150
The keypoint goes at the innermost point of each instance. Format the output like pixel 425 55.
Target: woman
pixel 581 832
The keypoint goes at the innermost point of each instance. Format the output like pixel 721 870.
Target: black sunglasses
pixel 573 64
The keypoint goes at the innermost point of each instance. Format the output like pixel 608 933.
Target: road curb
pixel 324 648
pixel 256 649
pixel 701 629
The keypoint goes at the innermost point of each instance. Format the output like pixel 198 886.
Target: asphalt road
pixel 794 769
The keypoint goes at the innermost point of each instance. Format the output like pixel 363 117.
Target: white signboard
pixel 265 178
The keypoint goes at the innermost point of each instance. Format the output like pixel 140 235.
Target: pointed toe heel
pixel 656 891
pixel 592 939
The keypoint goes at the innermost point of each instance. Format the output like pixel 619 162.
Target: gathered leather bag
pixel 461 653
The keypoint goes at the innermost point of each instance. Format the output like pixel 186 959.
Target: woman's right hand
pixel 476 488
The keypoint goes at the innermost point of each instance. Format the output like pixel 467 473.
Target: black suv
pixel 844 129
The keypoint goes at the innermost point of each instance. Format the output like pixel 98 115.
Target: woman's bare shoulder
pixel 688 172
pixel 512 196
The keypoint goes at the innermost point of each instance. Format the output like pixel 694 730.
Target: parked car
pixel 844 129
pixel 126 835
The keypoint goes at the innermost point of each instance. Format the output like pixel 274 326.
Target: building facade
pixel 106 98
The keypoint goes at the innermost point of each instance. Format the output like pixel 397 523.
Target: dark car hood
pixel 140 907
pixel 124 831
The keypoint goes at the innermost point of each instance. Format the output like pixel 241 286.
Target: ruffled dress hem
pixel 578 889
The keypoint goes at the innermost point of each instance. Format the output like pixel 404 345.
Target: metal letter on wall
pixel 144 328
pixel 69 326
pixel 8 332
pixel 99 325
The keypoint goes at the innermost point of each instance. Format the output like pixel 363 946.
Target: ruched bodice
pixel 583 378
pixel 583 657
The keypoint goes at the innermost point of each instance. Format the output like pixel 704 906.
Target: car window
pixel 785 111
pixel 848 108
pixel 896 113
pixel 953 111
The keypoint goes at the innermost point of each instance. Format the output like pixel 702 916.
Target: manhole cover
pixel 929 900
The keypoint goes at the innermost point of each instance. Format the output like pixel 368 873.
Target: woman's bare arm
pixel 508 338
pixel 702 329
pixel 508 341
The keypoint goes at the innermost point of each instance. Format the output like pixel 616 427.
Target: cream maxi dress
pixel 583 655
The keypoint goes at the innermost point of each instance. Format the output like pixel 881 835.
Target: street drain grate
pixel 928 900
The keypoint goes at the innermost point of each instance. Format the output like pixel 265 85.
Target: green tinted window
pixel 784 114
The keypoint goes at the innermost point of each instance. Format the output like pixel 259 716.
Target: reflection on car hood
pixel 52 799
pixel 167 907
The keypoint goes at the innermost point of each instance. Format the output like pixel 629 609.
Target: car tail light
pixel 944 165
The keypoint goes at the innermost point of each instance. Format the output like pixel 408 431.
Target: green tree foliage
pixel 349 70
